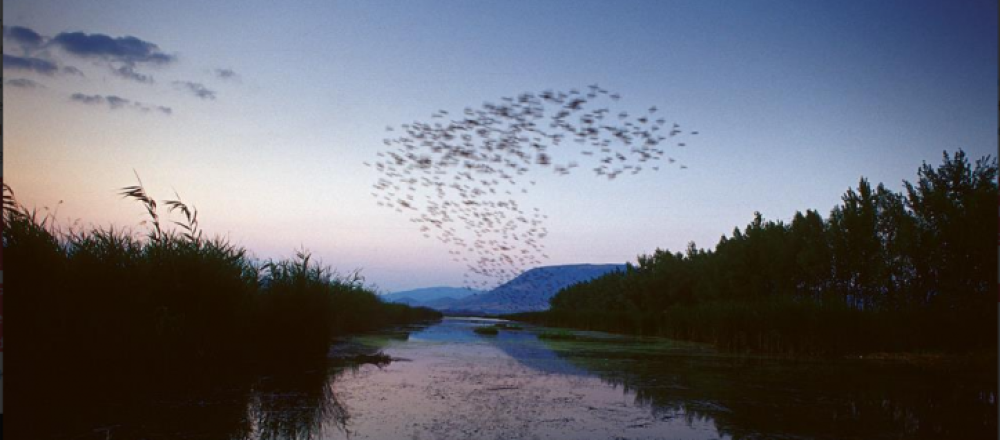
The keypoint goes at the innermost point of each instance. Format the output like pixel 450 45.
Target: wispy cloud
pixel 116 102
pixel 128 49
pixel 87 99
pixel 23 83
pixel 227 74
pixel 196 89
pixel 26 38
pixel 37 65
pixel 127 57
pixel 128 72
pixel 70 70
pixel 122 54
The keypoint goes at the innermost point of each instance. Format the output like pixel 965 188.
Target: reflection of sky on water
pixel 690 390
pixel 451 330
pixel 522 345
pixel 451 383
pixel 447 382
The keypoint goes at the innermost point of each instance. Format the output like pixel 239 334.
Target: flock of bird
pixel 459 175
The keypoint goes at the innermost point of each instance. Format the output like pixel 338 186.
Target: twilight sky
pixel 261 114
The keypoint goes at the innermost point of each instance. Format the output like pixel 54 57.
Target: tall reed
pixel 103 315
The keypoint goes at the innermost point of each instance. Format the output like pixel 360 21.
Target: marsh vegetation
pixel 108 319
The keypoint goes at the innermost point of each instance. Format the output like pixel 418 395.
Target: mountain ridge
pixel 531 290
pixel 427 294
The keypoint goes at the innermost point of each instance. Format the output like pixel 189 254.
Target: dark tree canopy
pixel 896 270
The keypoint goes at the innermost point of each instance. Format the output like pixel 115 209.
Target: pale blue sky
pixel 795 101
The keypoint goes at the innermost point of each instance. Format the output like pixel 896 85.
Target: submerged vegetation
pixel 884 272
pixel 557 335
pixel 493 330
pixel 104 313
pixel 508 326
pixel 487 330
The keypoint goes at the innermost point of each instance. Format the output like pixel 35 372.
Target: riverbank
pixel 757 343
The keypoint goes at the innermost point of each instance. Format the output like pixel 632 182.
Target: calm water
pixel 450 383
pixel 446 382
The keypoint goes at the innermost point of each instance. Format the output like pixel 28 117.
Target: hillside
pixel 531 290
pixel 435 295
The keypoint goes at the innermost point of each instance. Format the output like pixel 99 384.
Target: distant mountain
pixel 406 300
pixel 531 290
pixel 420 297
pixel 441 303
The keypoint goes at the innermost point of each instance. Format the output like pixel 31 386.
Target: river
pixel 447 382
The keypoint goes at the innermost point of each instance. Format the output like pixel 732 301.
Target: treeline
pixel 104 312
pixel 884 271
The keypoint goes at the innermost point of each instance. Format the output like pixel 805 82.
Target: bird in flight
pixel 457 177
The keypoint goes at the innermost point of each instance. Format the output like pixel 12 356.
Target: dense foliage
pixel 883 271
pixel 104 313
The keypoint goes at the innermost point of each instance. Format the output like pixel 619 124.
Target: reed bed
pixel 104 313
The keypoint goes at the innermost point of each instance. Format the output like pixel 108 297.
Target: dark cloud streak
pixel 22 36
pixel 128 72
pixel 87 99
pixel 227 74
pixel 116 102
pixel 122 53
pixel 127 49
pixel 196 89
pixel 70 70
pixel 36 65
pixel 23 83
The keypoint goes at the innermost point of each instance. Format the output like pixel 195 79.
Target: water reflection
pixel 750 398
pixel 449 382
pixel 460 385
pixel 301 404
pixel 523 346
pixel 284 400
pixel 694 385
pixel 741 397
pixel 296 406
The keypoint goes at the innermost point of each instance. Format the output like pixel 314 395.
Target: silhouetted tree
pixel 884 271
